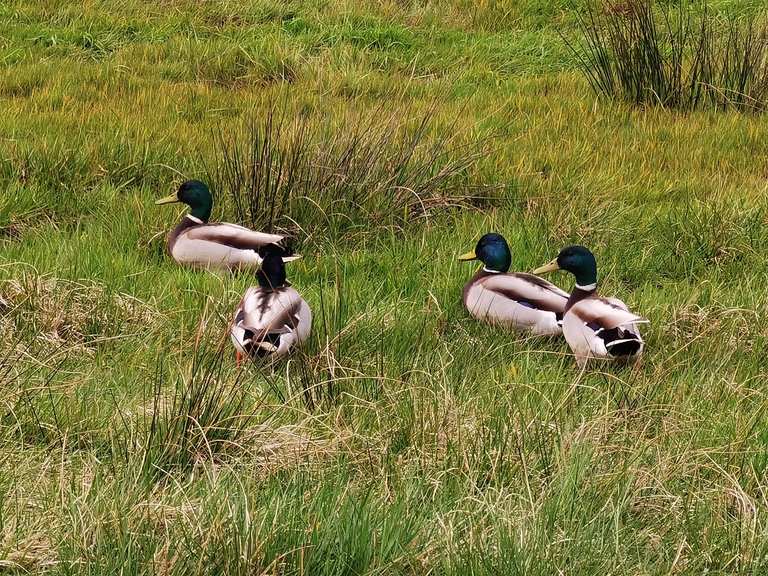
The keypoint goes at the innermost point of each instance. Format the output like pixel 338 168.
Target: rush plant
pixel 678 55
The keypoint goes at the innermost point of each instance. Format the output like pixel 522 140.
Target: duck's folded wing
pixel 247 302
pixel 239 314
pixel 528 289
pixel 233 236
pixel 607 313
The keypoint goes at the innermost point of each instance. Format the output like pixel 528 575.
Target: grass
pixel 404 438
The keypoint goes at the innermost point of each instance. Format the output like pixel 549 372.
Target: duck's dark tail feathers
pixel 621 343
pixel 260 347
pixel 284 249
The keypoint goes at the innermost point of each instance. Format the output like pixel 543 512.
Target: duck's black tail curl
pixel 283 249
pixel 621 343
pixel 260 348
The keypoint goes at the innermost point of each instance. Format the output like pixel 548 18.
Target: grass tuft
pixel 384 168
pixel 200 420
pixel 678 55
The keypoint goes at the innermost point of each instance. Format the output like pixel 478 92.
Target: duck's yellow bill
pixel 168 199
pixel 468 256
pixel 551 267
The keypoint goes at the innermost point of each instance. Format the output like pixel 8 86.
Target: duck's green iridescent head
pixel 194 194
pixel 577 260
pixel 493 251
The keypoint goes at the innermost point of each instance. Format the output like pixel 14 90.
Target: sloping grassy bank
pixel 405 438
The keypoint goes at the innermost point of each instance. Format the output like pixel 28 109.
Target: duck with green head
pixel 272 318
pixel 516 300
pixel 197 242
pixel 594 327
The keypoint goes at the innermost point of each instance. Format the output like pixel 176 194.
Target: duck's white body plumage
pixel 520 301
pixel 270 322
pixel 218 245
pixel 596 327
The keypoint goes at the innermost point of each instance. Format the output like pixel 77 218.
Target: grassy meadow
pixel 404 438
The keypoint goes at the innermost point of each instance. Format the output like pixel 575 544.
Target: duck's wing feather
pixel 273 312
pixel 233 236
pixel 608 313
pixel 529 289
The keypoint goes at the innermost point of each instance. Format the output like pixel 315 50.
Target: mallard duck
pixel 517 300
pixel 594 327
pixel 272 318
pixel 196 242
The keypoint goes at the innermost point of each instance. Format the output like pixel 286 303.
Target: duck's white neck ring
pixel 491 271
pixel 588 287
pixel 194 219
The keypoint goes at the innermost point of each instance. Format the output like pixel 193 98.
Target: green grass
pixel 405 438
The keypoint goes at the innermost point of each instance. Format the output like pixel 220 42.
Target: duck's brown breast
pixel 180 228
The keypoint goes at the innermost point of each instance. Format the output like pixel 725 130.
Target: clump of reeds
pixel 376 169
pixel 199 418
pixel 678 55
